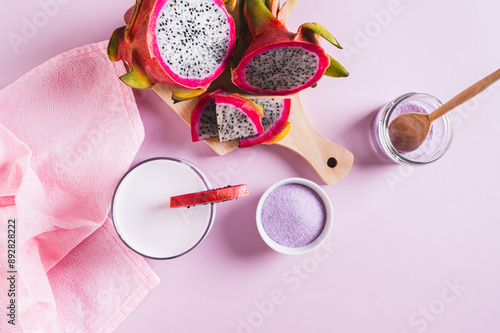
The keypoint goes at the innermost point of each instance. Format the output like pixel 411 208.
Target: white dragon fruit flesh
pixel 237 117
pixel 204 118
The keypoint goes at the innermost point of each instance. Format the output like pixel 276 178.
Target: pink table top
pixel 412 249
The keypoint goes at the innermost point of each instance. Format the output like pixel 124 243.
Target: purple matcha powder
pixel 293 215
pixel 434 138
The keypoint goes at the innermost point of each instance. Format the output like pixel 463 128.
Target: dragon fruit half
pixel 180 43
pixel 280 62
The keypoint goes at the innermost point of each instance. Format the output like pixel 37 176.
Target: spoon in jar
pixel 409 130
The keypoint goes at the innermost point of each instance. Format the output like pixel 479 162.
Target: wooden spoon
pixel 408 131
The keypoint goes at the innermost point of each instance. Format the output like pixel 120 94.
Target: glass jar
pixel 435 145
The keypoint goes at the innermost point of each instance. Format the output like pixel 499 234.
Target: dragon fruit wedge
pixel 280 62
pixel 180 43
pixel 210 196
pixel 204 117
pixel 274 121
pixel 237 117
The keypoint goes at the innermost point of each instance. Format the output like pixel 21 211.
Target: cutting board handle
pixel 330 161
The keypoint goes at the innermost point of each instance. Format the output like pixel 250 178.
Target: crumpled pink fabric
pixel 69 129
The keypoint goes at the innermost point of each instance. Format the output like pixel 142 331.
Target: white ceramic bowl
pixel 322 236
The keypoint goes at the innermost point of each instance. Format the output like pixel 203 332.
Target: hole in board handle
pixel 332 162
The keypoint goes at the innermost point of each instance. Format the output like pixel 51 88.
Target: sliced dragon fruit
pixel 210 196
pixel 274 121
pixel 237 117
pixel 181 43
pixel 204 117
pixel 277 61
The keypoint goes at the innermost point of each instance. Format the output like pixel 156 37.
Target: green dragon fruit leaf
pixel 181 96
pixel 273 6
pixel 285 10
pixel 137 77
pixel 321 30
pixel 336 69
pixel 133 19
pixel 258 13
pixel 114 44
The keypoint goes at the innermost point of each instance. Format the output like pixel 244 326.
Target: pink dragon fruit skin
pixel 141 42
pixel 276 114
pixel 272 40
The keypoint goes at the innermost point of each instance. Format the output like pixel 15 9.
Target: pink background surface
pixel 412 249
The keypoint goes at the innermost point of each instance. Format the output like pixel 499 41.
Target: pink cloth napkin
pixel 69 129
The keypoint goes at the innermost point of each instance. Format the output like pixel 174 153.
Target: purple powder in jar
pixel 293 215
pixel 430 144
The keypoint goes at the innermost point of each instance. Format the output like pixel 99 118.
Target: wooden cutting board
pixel 330 161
